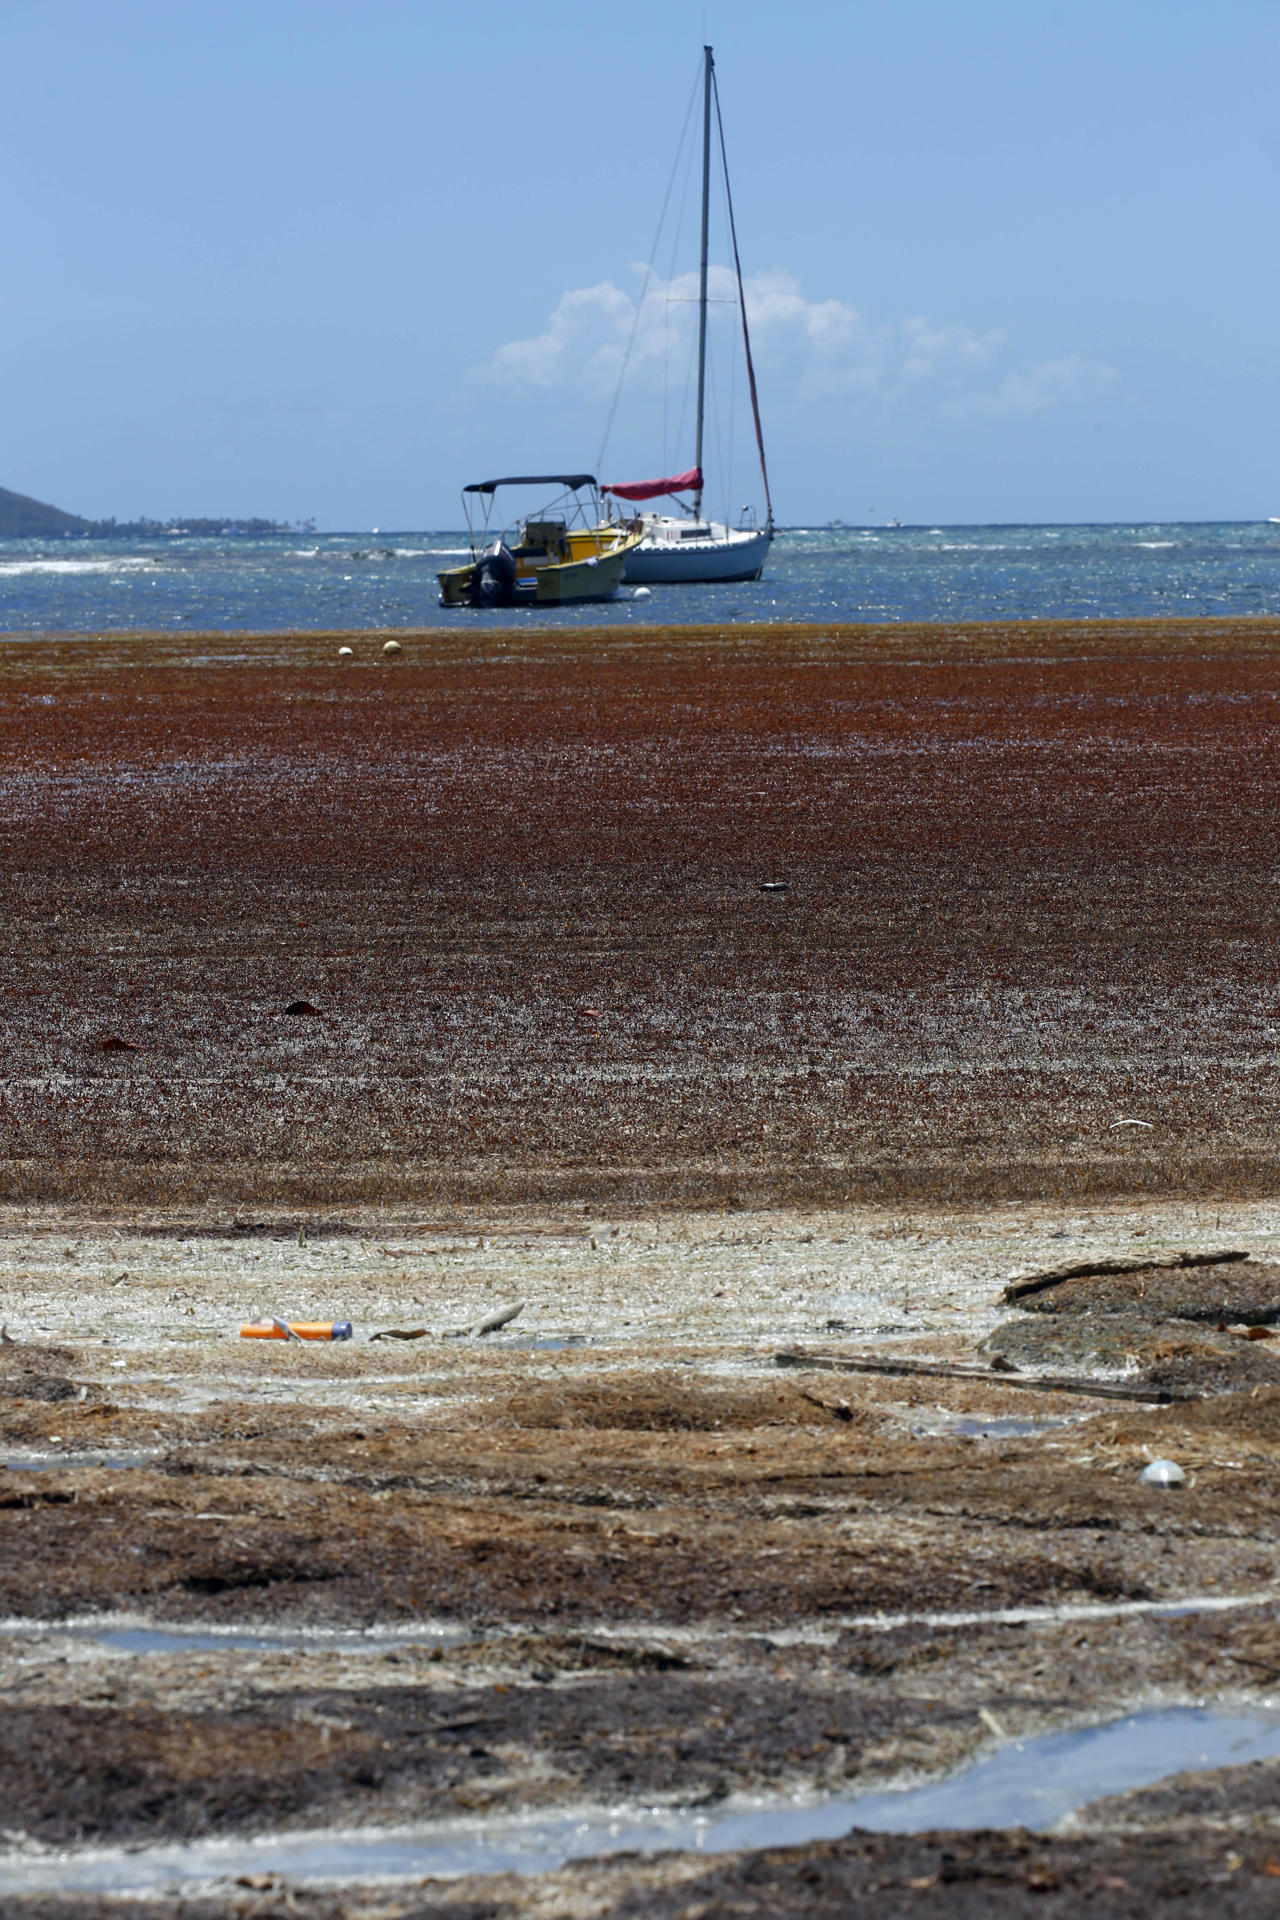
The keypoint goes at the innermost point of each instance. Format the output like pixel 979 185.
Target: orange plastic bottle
pixel 296 1330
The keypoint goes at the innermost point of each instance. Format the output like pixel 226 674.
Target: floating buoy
pixel 346 653
pixel 392 647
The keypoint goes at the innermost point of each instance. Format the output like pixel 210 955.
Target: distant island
pixel 22 518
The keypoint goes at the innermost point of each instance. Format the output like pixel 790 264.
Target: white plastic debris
pixel 493 1321
pixel 1164 1473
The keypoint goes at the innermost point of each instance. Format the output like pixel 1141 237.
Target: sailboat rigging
pixel 690 549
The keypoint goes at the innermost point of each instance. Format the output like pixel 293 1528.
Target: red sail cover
pixel 690 482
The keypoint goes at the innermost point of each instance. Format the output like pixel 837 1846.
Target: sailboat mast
pixel 708 64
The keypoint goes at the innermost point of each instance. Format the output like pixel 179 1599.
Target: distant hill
pixel 24 519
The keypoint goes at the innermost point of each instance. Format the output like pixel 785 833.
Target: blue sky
pixel 1006 261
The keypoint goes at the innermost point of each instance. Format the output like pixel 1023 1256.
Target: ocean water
pixel 345 580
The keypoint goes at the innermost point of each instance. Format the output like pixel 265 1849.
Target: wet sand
pixel 569 1053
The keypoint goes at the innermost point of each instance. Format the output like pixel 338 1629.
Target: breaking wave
pixel 10 567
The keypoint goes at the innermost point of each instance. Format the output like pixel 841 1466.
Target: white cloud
pixel 1054 383
pixel 811 350
pixel 776 305
pixel 593 329
pixel 933 349
pixel 587 319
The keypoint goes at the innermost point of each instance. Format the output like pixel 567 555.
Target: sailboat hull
pixel 725 557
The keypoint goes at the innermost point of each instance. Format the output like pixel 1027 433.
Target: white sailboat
pixel 686 548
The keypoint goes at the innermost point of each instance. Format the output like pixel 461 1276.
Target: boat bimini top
pixel 575 502
pixel 573 481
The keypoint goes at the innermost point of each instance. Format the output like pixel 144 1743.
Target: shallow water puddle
pixel 65 1462
pixel 145 1637
pixel 978 1426
pixel 1031 1783
pixel 1034 1783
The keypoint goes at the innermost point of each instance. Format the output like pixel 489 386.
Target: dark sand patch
pixel 1239 1290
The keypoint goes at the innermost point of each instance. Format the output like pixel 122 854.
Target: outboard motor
pixel 493 582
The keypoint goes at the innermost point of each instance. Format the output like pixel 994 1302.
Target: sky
pixel 1007 261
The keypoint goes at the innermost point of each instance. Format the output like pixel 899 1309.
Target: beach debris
pixel 937 1370
pixel 1253 1333
pixel 1148 1125
pixel 489 1324
pixel 839 1408
pixel 493 1321
pixel 592 1013
pixel 1163 1473
pixel 120 1280
pixel 115 1043
pixel 304 1006
pixel 775 886
pixel 6 1338
pixel 1023 1284
pixel 400 1333
pixel 992 1725
pixel 272 1329
pixel 391 648
pixel 346 653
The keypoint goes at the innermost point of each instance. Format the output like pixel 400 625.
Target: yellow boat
pixel 562 554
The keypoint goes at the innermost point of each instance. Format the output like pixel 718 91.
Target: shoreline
pixel 501 1579
pixel 541 624
pixel 542 969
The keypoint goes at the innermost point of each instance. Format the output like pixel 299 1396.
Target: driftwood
pixel 488 1325
pixel 495 1320
pixel 1027 1283
pixel 986 1376
pixel 840 1409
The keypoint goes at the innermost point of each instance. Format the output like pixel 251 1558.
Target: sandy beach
pixel 715 997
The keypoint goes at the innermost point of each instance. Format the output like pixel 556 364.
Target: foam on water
pixel 61 567
pixel 1031 1783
